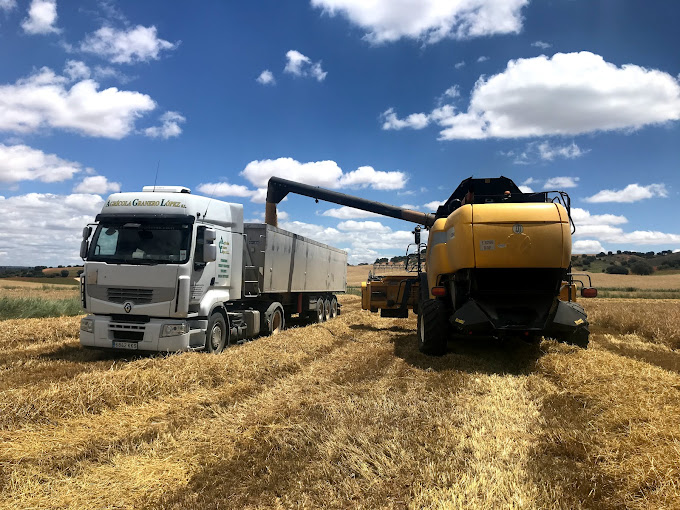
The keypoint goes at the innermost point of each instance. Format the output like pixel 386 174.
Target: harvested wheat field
pixel 347 414
pixel 22 289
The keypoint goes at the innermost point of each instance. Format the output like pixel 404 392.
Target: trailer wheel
pixel 326 309
pixel 334 308
pixel 274 319
pixel 216 334
pixel 317 314
pixel 433 327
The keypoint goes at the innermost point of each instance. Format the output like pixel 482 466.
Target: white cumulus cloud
pixel 298 64
pixel 540 44
pixel 169 127
pixel 225 189
pixel 589 246
pixel 76 70
pixel 413 121
pixel 604 228
pixel 363 240
pixel 96 184
pixel 266 78
pixel 428 20
pixel 23 163
pixel 348 213
pixel 631 193
pixel 7 5
pixel 560 183
pixel 127 46
pixel 567 94
pixel 42 16
pixel 45 229
pixel 321 173
pixel 535 152
pixel 432 206
pixel 44 100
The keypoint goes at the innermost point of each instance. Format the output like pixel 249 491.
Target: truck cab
pixel 157 265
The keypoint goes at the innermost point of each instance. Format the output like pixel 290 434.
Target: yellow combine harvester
pixel 498 263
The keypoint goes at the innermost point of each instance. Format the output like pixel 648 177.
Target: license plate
pixel 125 345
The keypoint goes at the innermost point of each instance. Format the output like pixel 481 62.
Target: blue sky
pixel 394 103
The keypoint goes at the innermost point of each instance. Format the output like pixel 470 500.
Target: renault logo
pixel 517 228
pixel 127 306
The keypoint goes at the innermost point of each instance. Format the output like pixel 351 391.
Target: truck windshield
pixel 141 243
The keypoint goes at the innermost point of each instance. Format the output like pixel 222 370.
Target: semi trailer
pixel 166 270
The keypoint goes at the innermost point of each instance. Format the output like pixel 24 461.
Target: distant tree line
pixel 35 272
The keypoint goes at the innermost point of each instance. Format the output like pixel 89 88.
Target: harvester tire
pixel 433 327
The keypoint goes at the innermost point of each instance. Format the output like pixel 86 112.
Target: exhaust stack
pixel 278 188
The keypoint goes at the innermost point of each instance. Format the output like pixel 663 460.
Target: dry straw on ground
pixel 346 414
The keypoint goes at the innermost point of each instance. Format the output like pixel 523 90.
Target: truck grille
pixel 137 296
pixel 133 332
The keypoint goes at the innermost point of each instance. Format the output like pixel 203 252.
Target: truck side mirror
pixel 84 247
pixel 209 253
pixel 209 235
pixel 209 249
pixel 87 231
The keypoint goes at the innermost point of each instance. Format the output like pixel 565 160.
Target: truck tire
pixel 216 335
pixel 334 308
pixel 317 314
pixel 433 327
pixel 326 309
pixel 274 319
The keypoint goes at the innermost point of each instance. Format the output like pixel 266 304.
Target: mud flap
pixel 570 321
pixel 470 318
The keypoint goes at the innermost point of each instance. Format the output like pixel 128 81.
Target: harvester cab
pixel 498 262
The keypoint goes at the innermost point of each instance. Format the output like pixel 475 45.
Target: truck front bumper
pixel 104 333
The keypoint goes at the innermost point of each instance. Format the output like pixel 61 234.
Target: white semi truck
pixel 166 270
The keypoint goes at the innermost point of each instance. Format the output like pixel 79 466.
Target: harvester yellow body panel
pixel 521 235
pixel 533 235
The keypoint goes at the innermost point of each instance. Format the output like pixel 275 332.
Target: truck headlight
pixel 174 329
pixel 87 325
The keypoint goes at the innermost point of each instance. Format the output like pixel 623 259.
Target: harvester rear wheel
pixel 433 327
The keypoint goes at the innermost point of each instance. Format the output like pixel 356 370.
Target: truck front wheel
pixel 216 334
pixel 433 327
